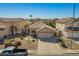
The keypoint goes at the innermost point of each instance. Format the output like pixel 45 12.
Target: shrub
pixel 60 40
pixel 12 43
pixel 63 44
pixel 17 44
pixel 7 43
pixel 22 37
pixel 33 40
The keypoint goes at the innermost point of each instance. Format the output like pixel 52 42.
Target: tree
pixel 17 44
pixel 30 16
pixel 49 23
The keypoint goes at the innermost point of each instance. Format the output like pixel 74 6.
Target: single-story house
pixel 41 30
pixel 65 25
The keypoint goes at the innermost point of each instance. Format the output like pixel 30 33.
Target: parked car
pixel 12 51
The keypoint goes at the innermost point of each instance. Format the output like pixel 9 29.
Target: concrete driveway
pixel 47 46
pixel 51 48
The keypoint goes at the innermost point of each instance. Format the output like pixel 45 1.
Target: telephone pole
pixel 74 7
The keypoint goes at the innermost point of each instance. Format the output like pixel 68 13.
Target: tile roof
pixel 64 20
pixel 37 25
pixel 45 27
pixel 10 19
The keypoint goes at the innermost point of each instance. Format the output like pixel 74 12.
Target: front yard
pixel 29 44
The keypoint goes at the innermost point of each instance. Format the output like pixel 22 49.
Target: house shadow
pixel 13 36
pixel 75 39
pixel 50 40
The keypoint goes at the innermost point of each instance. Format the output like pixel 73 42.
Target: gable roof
pixel 37 25
pixel 40 25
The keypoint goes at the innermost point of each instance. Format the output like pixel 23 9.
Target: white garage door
pixel 45 35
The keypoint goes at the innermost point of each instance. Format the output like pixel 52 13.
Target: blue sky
pixel 42 10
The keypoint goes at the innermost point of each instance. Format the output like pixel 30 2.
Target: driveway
pixel 47 46
pixel 51 47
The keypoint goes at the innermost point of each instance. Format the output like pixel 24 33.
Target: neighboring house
pixel 6 23
pixel 64 26
pixel 71 33
pixel 41 30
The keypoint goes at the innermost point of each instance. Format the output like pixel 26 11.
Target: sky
pixel 41 10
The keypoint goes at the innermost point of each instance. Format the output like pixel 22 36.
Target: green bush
pixel 22 37
pixel 63 44
pixel 60 40
pixel 10 43
pixel 7 41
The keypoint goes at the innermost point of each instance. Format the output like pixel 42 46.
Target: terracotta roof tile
pixel 63 20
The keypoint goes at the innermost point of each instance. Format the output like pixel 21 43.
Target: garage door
pixel 45 35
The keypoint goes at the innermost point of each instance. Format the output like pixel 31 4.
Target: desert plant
pixel 7 43
pixel 33 40
pixel 63 44
pixel 22 38
pixel 60 40
pixel 17 44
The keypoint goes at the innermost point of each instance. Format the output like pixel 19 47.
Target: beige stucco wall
pixel 45 31
pixel 6 30
pixel 19 26
pixel 7 25
pixel 74 34
pixel 60 26
pixel 76 24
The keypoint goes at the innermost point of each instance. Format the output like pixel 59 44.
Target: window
pixel 6 51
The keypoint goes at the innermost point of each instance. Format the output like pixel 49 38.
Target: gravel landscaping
pixel 28 44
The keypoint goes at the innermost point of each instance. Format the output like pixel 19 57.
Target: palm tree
pixel 30 16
